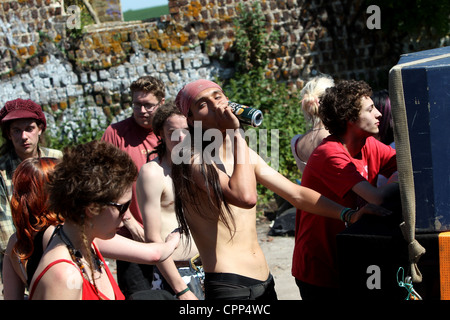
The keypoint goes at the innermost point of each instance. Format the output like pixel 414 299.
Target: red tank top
pixel 89 292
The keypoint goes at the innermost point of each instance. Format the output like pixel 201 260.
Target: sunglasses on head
pixel 121 207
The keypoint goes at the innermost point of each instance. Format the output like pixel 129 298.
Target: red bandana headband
pixel 187 94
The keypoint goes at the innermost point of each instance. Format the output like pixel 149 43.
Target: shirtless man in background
pixel 155 195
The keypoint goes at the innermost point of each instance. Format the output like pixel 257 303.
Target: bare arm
pixel 242 183
pixel 304 198
pixel 150 188
pixel 136 230
pixel 239 189
pixel 122 248
pixel 173 277
pixel 375 195
pixel 13 285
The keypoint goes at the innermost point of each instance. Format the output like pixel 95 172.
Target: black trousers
pixel 135 282
pixel 229 286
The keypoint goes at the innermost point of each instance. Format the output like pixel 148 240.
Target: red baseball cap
pixel 22 109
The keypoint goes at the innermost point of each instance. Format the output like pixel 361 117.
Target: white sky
pixel 140 4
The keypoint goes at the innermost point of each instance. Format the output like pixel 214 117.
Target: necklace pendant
pixel 99 265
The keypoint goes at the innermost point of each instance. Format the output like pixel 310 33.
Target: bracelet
pixel 344 212
pixel 348 216
pixel 182 292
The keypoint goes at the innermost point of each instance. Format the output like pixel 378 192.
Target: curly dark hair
pixel 342 103
pixel 89 175
pixel 96 173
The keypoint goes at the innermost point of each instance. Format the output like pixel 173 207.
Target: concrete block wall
pixel 22 26
pixel 315 36
pixel 98 70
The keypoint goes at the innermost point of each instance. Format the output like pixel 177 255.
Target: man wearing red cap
pixel 22 123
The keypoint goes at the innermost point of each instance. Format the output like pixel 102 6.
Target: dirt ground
pixel 278 251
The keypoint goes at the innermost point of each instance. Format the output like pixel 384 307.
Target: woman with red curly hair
pixel 32 219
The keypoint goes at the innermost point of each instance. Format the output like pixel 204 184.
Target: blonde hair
pixel 311 93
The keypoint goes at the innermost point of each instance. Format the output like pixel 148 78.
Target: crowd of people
pixel 185 230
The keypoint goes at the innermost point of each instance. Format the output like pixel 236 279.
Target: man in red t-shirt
pixel 136 137
pixel 344 168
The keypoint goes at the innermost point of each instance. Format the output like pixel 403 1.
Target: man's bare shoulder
pixel 156 174
pixel 153 168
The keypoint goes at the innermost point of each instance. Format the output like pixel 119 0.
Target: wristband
pixel 343 213
pixel 182 292
pixel 349 215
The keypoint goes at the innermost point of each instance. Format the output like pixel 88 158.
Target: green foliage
pixel 76 126
pixel 142 14
pixel 421 19
pixel 282 112
pixel 252 43
pixel 249 86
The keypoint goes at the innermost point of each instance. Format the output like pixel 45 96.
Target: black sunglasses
pixel 121 207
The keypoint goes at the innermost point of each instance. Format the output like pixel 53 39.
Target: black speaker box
pixel 370 255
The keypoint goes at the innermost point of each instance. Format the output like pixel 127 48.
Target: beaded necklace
pixel 77 256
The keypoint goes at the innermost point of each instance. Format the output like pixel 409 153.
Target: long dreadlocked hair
pixel 185 186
